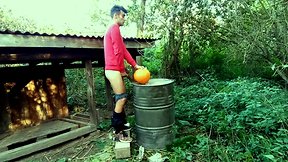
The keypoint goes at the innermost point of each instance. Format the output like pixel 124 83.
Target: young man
pixel 115 52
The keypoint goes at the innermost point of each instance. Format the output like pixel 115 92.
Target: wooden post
pixel 139 60
pixel 5 118
pixel 109 98
pixel 94 113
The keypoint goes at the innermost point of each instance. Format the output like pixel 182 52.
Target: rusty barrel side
pixel 154 113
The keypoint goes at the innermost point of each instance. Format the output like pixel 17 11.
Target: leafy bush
pixel 242 119
pixel 77 87
pixel 152 59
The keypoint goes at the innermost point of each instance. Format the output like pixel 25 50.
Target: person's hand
pixel 124 74
pixel 139 67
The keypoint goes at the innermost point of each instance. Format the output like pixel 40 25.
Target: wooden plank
pixel 94 113
pixel 83 115
pixel 38 55
pixel 61 65
pixel 3 149
pixel 40 132
pixel 4 135
pixel 80 123
pixel 45 143
pixel 79 118
pixel 25 56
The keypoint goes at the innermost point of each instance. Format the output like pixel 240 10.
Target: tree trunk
pixel 141 21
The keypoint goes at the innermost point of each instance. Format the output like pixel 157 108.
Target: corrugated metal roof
pixel 70 35
pixel 18 39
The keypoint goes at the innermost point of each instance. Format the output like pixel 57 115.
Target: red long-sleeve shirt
pixel 115 50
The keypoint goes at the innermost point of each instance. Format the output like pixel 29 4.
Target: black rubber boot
pixel 117 122
pixel 123 116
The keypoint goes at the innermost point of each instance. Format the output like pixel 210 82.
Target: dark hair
pixel 117 9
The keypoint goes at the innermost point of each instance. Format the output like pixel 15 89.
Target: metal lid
pixel 155 82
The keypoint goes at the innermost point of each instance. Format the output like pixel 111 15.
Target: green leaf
pixel 184 122
pixel 271 157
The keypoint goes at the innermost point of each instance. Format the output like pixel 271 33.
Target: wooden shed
pixel 33 101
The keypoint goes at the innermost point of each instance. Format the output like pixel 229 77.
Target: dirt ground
pixel 97 146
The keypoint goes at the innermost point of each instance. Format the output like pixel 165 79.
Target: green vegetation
pixel 77 87
pixel 231 101
pixel 229 60
pixel 242 119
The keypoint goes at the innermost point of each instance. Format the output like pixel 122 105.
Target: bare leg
pixel 118 86
pixel 117 83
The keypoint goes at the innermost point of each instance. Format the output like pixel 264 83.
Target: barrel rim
pixel 148 85
pixel 169 127
pixel 168 105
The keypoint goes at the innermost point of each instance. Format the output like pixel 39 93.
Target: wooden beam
pixel 94 113
pixel 49 56
pixel 21 40
pixel 5 115
pixel 42 55
pixel 26 40
pixel 62 65
pixel 139 60
pixel 45 143
pixel 80 123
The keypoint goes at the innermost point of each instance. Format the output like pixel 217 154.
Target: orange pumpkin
pixel 142 76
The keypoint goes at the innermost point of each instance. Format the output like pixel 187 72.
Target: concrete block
pixel 122 150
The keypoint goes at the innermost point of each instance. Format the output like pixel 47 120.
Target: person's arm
pixel 131 61
pixel 129 58
pixel 118 44
pixel 116 39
